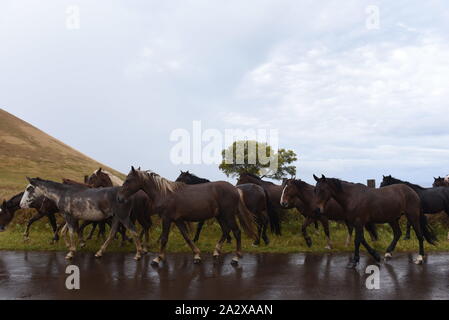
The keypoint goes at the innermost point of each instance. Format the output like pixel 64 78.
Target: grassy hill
pixel 27 151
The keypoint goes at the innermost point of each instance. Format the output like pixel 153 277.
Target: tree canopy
pixel 258 158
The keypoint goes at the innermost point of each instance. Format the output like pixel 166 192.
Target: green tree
pixel 257 158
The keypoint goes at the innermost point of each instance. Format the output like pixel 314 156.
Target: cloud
pixel 362 106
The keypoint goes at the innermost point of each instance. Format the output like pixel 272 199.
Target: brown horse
pixel 141 214
pixel 440 182
pixel 301 195
pixel 43 206
pixel 273 193
pixel 181 203
pixel 363 205
pixel 253 197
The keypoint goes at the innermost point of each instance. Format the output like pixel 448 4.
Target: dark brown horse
pixel 301 195
pixel 440 182
pixel 180 203
pixel 43 206
pixel 253 197
pixel 141 214
pixel 273 193
pixel 433 200
pixel 363 205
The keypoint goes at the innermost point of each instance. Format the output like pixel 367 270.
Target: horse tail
pixel 273 216
pixel 427 230
pixel 371 228
pixel 246 218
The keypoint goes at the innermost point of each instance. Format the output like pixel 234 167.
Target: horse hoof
pixel 69 256
pixel 419 260
pixel 407 238
pixel 267 242
pixel 376 257
pixel 197 261
pixel 137 257
pixel 352 265
pixel 256 244
pixel 328 247
pixel 98 255
pixel 235 262
pixel 82 244
pixel 388 256
pixel 155 263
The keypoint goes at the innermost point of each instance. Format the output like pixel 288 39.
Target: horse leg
pixel 368 248
pixel 397 233
pixel 111 235
pixel 224 235
pixel 349 237
pixel 357 241
pixel 54 226
pixel 264 229
pixel 92 231
pixel 81 233
pixel 407 233
pixel 102 230
pixel 305 224
pixel 72 225
pixel 38 216
pixel 166 225
pixel 199 227
pixel 128 225
pixel 256 242
pixel 414 221
pixel 185 233
pixel 64 230
pixel 238 239
pixel 325 222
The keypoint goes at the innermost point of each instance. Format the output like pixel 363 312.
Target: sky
pixel 357 89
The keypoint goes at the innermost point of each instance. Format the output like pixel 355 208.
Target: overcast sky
pixel 354 102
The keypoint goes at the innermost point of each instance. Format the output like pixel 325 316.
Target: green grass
pixel 290 242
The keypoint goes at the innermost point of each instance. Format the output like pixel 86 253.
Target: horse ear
pixel 132 169
pixel 316 178
pixel 29 179
pixel 323 177
pixel 99 170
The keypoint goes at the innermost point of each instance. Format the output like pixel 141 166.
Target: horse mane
pixel 75 183
pixel 58 185
pixel 198 179
pixel 415 186
pixel 256 177
pixel 299 183
pixel 162 184
pixel 336 183
pixel 116 181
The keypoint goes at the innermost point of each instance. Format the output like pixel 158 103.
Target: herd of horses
pixel 253 204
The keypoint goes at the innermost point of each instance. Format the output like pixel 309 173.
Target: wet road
pixel 41 275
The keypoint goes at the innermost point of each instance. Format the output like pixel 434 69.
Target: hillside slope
pixel 27 151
